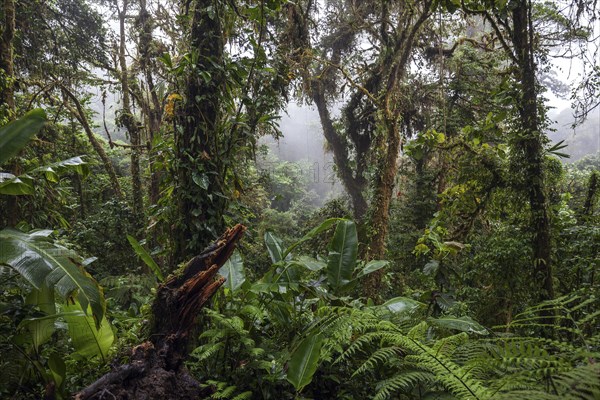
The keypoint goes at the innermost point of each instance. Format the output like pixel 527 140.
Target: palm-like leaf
pixel 274 247
pixel 40 261
pixel 53 171
pixel 233 270
pixel 342 254
pixel 304 361
pixel 14 136
pixel 146 257
pixel 15 185
pixel 89 339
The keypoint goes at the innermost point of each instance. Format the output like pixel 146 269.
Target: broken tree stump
pixel 156 368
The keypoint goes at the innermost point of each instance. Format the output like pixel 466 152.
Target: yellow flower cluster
pixel 170 105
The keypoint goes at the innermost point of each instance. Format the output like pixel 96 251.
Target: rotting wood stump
pixel 156 369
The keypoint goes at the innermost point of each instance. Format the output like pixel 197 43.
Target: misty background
pixel 303 146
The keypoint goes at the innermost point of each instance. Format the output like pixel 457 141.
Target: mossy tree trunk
pixel 530 146
pixel 128 119
pixel 200 179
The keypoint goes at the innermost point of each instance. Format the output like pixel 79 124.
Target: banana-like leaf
pixel 58 369
pixel 372 266
pixel 304 362
pixel 41 262
pixel 310 263
pixel 146 257
pixel 15 185
pixel 88 339
pixel 274 247
pixel 16 135
pixel 328 223
pixel 402 305
pixel 463 324
pixel 342 255
pixel 53 171
pixel 233 270
pixel 41 329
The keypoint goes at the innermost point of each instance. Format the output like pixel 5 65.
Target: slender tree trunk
pixel 200 180
pixel 380 206
pixel 79 114
pixel 388 161
pixel 383 192
pixel 355 186
pixel 151 107
pixel 588 207
pixel 7 95
pixel 531 146
pixel 79 189
pixel 129 121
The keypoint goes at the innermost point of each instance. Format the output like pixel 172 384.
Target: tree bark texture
pixel 530 145
pixel 199 166
pixel 151 107
pixel 128 120
pixel 7 92
pixel 7 95
pixel 593 185
pixel 370 133
pixel 390 109
pixel 355 184
pixel 156 369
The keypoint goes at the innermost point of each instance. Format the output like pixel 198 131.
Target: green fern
pixel 413 360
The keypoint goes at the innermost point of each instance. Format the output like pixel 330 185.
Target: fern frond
pixel 405 381
pixel 582 382
pixel 207 351
pixel 243 396
pixel 381 356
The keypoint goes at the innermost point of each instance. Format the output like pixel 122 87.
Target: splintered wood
pixel 156 369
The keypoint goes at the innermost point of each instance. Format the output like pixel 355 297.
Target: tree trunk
pixel 7 95
pixel 355 186
pixel 531 147
pixel 199 167
pixel 383 192
pixel 380 206
pixel 386 171
pixel 151 106
pixel 156 369
pixel 79 114
pixel 128 120
pixel 588 207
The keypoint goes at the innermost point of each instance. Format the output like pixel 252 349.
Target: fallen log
pixel 156 367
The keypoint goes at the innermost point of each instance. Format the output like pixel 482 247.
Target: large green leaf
pixel 15 185
pixel 41 329
pixel 146 257
pixel 233 270
pixel 402 305
pixel 16 135
pixel 342 255
pixel 372 266
pixel 328 223
pixel 463 324
pixel 53 171
pixel 42 262
pixel 310 263
pixel 304 361
pixel 274 247
pixel 88 339
pixel 58 369
pixel 23 185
